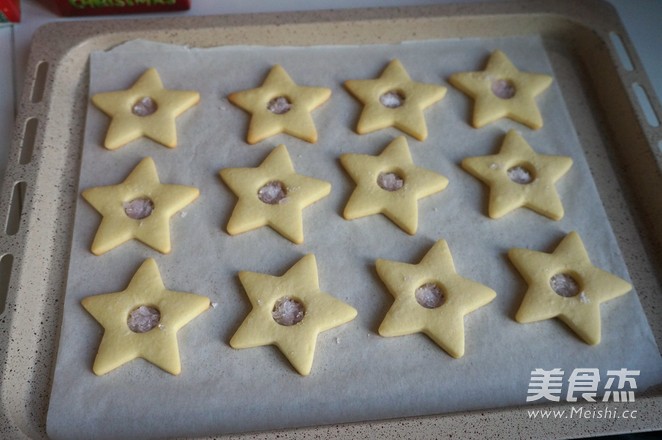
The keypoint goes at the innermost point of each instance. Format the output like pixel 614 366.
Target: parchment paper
pixel 357 375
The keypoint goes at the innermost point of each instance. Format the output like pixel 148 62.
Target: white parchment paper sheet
pixel 357 375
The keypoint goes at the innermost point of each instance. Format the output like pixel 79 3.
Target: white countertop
pixel 640 17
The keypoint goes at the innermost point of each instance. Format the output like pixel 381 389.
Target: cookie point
pixel 325 188
pixel 85 302
pixel 590 339
pixel 110 145
pixel 304 371
pixel 495 213
pixel 457 354
pixel 347 213
pixel 520 318
pixel 97 250
pixel 384 332
pixel 466 164
pixel 174 371
pixel 477 122
pixel 556 216
pixel 512 253
pixel 409 229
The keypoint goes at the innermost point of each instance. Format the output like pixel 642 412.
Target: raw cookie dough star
pixel 389 184
pixel 149 202
pixel 569 271
pixel 280 106
pixel 520 177
pixel 158 106
pixel 430 297
pixel 296 341
pixel 272 194
pixel 501 90
pixel 158 345
pixel 394 100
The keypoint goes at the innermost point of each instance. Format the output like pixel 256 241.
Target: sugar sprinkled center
pixel 144 107
pixel 392 99
pixel 430 295
pixel 390 181
pixel 565 285
pixel 288 311
pixel 503 88
pixel 142 319
pixel 139 208
pixel 279 105
pixel 272 193
pixel 520 174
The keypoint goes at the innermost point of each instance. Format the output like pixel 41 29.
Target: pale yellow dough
pixel 297 122
pixel 159 346
pixel 296 342
pixel 160 126
pixel 580 312
pixel 285 217
pixel 444 324
pixel 488 107
pixel 540 195
pixel 400 206
pixel 408 117
pixel 117 227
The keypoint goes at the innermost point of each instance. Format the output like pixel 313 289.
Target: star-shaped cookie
pixel 321 312
pixel 284 215
pixel 141 189
pixel 443 320
pixel 398 202
pixel 146 109
pixel 579 310
pixel 394 100
pixel 503 91
pixel 520 177
pixel 120 344
pixel 280 106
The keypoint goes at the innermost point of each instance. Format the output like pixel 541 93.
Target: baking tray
pixel 602 82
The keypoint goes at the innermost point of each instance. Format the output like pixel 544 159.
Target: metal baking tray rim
pixel 40 186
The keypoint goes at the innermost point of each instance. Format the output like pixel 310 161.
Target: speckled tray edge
pixel 622 149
